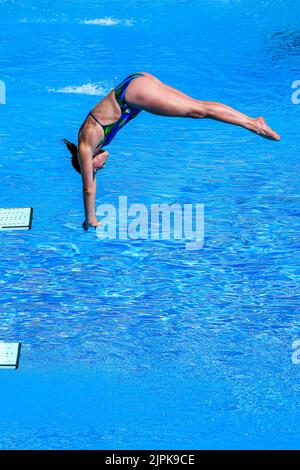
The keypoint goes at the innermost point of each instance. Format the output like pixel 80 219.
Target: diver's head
pixel 98 160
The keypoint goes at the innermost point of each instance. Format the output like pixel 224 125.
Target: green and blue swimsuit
pixel 127 112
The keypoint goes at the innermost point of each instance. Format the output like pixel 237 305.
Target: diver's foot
pixel 260 127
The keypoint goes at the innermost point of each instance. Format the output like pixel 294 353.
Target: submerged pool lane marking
pixel 19 218
pixel 9 355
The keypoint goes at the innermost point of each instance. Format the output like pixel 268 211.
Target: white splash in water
pixel 108 21
pixel 87 89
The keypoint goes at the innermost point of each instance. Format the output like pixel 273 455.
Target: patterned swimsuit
pixel 127 112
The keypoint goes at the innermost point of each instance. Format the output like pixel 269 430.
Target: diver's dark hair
pixel 73 149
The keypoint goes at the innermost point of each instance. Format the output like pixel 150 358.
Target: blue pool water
pixel 144 344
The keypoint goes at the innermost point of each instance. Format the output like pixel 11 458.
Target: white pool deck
pixel 18 218
pixel 9 355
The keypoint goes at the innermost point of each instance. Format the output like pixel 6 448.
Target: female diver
pixel 141 92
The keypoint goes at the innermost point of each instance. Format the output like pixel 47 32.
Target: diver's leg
pixel 224 113
pixel 164 85
pixel 150 95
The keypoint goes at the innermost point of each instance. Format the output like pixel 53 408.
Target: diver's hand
pixel 90 224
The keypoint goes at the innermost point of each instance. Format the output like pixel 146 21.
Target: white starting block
pixel 9 355
pixel 16 219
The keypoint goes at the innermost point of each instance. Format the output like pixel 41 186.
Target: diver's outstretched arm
pixel 85 158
